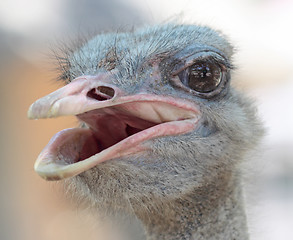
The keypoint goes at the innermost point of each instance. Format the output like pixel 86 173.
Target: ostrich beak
pixel 116 124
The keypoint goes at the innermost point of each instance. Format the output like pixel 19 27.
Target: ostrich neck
pixel 214 211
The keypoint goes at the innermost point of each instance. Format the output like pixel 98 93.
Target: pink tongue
pixel 72 145
pixel 90 147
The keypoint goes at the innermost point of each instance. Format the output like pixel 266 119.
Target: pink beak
pixel 95 98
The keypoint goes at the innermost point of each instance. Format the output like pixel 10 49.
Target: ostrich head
pixel 158 116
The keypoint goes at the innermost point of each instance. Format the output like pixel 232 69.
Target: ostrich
pixel 162 132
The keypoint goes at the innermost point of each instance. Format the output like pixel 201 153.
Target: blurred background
pixel 262 32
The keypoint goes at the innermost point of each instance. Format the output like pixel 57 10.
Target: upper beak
pixel 77 97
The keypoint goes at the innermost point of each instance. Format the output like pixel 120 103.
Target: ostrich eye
pixel 203 77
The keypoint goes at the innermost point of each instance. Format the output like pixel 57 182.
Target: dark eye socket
pixel 203 77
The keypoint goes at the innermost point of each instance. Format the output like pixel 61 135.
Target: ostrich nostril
pixel 106 90
pixel 101 93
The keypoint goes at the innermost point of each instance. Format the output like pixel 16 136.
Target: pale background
pixel 32 209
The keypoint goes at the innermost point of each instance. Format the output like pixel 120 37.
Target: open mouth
pixel 110 129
